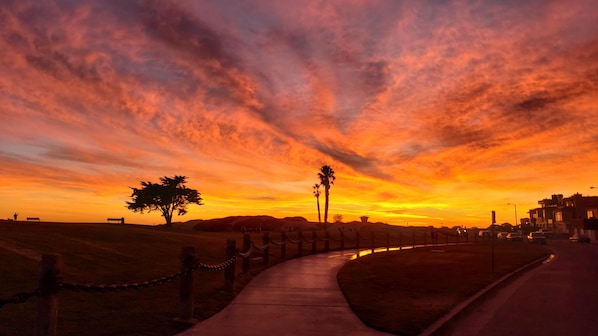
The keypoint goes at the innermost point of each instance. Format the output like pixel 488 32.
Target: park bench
pixel 33 219
pixel 120 220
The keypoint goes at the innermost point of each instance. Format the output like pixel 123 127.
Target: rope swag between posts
pixel 51 282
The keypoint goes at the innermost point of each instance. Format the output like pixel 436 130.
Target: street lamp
pixel 515 206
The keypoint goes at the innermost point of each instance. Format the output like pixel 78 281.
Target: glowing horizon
pixel 429 113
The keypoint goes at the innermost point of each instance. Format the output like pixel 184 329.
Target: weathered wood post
pixel 229 271
pixel 266 251
pixel 246 247
pixel 372 240
pixel 387 241
pixel 300 243
pixel 314 237
pixel 326 240
pixel 400 242
pixel 186 294
pixel 283 246
pixel 47 303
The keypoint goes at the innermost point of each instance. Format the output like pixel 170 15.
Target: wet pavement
pixel 297 297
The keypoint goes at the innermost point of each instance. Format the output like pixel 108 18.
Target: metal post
pixel 492 238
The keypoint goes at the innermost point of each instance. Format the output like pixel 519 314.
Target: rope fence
pixel 51 282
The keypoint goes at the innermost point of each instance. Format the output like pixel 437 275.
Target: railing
pixel 51 282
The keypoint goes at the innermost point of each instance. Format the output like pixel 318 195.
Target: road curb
pixel 437 327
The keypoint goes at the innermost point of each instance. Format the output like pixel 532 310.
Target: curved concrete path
pixel 297 297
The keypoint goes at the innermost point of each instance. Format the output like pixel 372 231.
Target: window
pixel 558 216
pixel 590 213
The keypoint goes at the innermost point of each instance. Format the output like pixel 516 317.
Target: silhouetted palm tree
pixel 317 194
pixel 327 178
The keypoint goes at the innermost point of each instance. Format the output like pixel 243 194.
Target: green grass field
pixel 116 254
pixel 404 292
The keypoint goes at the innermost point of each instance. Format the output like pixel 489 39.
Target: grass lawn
pixel 109 254
pixel 117 254
pixel 404 292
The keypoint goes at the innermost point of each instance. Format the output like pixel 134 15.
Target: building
pixel 565 214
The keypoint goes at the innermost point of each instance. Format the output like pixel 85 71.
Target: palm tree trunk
pixel 319 216
pixel 326 206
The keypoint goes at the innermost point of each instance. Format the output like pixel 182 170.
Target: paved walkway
pixel 297 297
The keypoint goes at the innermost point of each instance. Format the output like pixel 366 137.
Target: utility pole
pixel 492 239
pixel 516 219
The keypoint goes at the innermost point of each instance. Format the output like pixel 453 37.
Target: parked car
pixel 502 235
pixel 514 236
pixel 484 234
pixel 579 239
pixel 537 238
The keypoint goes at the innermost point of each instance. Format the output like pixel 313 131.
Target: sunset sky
pixel 429 112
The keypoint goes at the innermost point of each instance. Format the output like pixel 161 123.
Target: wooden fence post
pixel 229 271
pixel 400 242
pixel 47 304
pixel 266 252
pixel 300 243
pixel 246 247
pixel 186 295
pixel 387 241
pixel 326 241
pixel 283 246
pixel 373 241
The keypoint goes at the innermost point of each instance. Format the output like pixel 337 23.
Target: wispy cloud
pixel 422 108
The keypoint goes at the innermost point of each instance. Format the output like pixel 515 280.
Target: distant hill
pixel 251 223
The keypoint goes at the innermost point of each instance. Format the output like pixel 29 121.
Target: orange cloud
pixel 428 113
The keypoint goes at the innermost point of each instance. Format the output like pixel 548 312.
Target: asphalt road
pixel 557 298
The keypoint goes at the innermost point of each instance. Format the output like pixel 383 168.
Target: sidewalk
pixel 297 297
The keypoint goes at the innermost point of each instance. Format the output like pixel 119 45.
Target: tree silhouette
pixel 170 195
pixel 317 194
pixel 327 178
